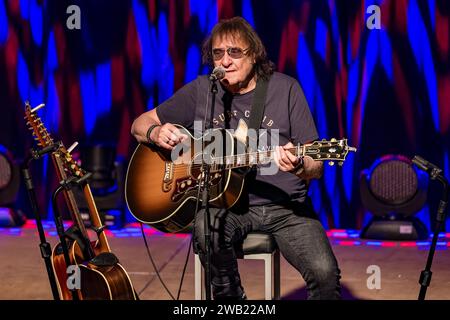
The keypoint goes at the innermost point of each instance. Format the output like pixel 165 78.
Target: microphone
pixel 217 74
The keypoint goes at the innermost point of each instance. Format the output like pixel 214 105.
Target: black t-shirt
pixel 286 109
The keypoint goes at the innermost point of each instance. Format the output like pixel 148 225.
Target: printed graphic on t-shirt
pixel 219 120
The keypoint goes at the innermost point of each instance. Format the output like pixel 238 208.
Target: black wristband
pixel 149 132
pixel 299 167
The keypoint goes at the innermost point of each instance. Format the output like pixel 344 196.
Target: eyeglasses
pixel 233 52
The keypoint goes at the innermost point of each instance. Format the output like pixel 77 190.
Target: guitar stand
pixel 67 185
pixel 98 230
pixel 64 185
pixel 44 246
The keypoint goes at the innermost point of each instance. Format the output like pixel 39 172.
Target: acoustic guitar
pixel 102 277
pixel 161 186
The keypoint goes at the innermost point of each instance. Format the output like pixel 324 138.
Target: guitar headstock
pixel 329 150
pixel 35 124
pixel 44 139
pixel 69 164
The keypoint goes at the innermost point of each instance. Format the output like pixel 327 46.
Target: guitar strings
pixel 229 160
pixel 233 160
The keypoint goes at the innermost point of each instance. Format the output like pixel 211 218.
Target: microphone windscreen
pixel 218 72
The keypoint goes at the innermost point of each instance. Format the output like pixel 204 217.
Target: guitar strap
pixel 258 106
pixel 256 117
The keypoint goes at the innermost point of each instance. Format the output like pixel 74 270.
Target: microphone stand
pixel 435 174
pixel 44 246
pixel 205 194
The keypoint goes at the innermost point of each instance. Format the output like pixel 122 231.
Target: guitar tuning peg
pixel 38 107
pixel 333 140
pixel 73 146
pixel 324 140
pixel 340 163
pixel 331 163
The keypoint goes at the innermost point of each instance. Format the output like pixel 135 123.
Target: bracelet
pixel 149 132
pixel 299 168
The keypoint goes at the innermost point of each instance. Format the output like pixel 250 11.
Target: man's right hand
pixel 167 136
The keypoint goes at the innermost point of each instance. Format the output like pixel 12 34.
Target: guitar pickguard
pixel 182 186
pixel 189 184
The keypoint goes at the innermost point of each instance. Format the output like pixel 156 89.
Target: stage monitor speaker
pixel 393 190
pixel 9 189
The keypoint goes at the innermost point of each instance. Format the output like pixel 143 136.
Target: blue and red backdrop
pixel 387 90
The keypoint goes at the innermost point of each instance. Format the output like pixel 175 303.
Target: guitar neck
pixel 253 158
pixel 95 219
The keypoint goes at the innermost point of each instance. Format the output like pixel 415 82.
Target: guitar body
pixel 108 281
pixel 161 187
pixel 161 190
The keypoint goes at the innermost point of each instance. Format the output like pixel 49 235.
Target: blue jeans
pixel 298 233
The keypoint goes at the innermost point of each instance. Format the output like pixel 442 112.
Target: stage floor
pixel 24 275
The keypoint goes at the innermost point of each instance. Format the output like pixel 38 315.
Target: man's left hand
pixel 284 159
